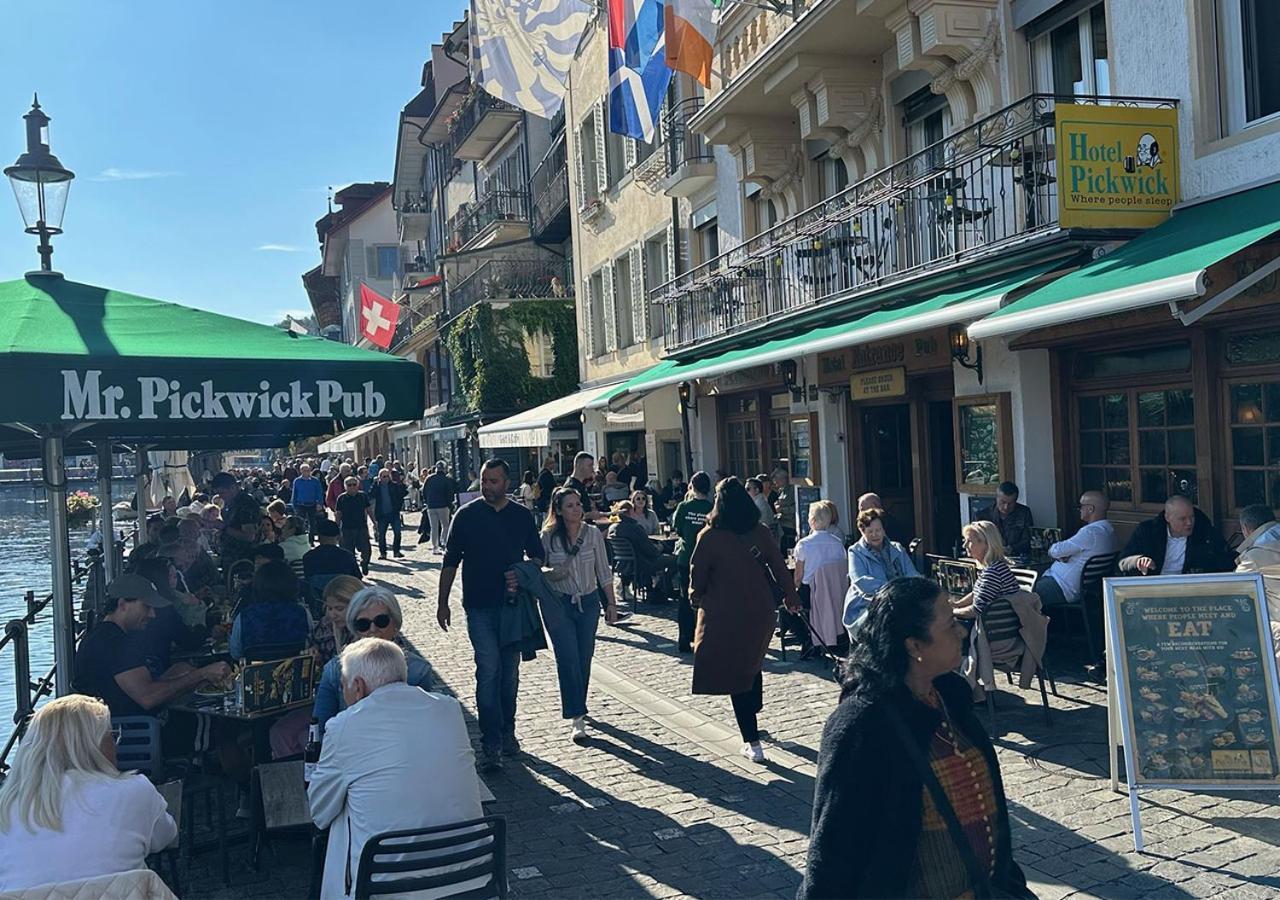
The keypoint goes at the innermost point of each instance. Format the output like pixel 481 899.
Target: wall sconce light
pixel 688 397
pixel 960 345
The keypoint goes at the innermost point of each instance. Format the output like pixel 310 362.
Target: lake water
pixel 24 566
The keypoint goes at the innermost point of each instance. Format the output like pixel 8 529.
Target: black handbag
pixel 978 879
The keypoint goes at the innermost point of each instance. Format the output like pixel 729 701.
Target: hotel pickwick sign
pixel 1117 165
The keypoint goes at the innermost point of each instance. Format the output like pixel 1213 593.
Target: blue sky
pixel 204 135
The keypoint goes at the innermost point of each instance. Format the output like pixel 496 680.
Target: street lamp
pixel 40 184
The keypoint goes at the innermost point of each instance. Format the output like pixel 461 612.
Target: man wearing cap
pixel 326 557
pixel 240 515
pixel 111 665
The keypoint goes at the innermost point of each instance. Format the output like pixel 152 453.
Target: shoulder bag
pixel 774 588
pixel 978 880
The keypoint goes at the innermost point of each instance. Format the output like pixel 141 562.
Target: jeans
pixel 497 678
pixel 573 637
pixel 438 517
pixel 394 522
pixel 1051 592
pixel 745 707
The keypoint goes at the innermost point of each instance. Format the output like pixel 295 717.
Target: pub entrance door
pixel 886 457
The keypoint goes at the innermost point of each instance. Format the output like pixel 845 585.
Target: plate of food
pixel 218 688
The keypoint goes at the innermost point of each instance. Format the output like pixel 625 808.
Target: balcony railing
pixel 970 195
pixel 511 280
pixel 682 145
pixel 417 312
pixel 549 187
pixel 504 197
pixel 469 117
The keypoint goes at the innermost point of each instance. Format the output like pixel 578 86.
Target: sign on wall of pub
pixel 1117 166
pixel 1196 684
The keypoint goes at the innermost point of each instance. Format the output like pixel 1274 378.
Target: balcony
pixel 479 124
pixel 499 213
pixel 549 192
pixel 971 196
pixel 419 311
pixel 511 280
pixel 690 161
pixel 415 217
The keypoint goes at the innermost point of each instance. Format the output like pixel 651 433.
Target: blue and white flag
pixel 638 72
pixel 521 50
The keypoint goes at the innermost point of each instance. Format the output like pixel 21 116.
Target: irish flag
pixel 691 35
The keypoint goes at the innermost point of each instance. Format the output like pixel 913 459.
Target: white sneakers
pixel 578 734
pixel 753 752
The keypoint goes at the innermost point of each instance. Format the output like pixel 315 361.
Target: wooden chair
pixel 461 853
pixel 278 799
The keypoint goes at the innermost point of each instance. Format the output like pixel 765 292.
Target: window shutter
pixel 610 311
pixel 671 252
pixel 357 260
pixel 588 318
pixel 579 169
pixel 639 300
pixel 371 261
pixel 602 162
pixel 629 153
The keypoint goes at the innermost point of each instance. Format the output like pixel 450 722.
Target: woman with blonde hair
pixel 983 544
pixel 66 812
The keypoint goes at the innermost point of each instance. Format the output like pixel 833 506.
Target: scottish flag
pixel 638 72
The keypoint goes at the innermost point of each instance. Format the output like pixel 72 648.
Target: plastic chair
pixel 138 746
pixel 473 849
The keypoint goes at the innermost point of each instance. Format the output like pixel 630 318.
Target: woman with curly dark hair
pixel 734 569
pixel 909 800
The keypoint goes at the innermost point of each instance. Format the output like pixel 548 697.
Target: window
pixel 542 357
pixel 742 445
pixel 1248 66
pixel 1159 423
pixel 614 156
pixel 388 262
pixel 1071 58
pixel 596 311
pixel 622 305
pixel 833 175
pixel 706 241
pixel 1255 443
pixel 656 274
pixel 761 214
pixel 589 163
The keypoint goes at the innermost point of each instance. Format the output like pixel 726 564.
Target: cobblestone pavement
pixel 659 804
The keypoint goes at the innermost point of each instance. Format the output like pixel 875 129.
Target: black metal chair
pixel 1001 623
pixel 460 853
pixel 1089 607
pixel 625 565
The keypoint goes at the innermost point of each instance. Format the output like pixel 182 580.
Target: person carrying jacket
pixel 1181 540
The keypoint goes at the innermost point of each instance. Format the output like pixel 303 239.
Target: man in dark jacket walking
pixel 1181 540
pixel 388 503
pixel 438 493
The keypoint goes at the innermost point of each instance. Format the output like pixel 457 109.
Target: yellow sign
pixel 1117 165
pixel 878 383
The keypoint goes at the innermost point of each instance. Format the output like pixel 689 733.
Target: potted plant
pixel 81 508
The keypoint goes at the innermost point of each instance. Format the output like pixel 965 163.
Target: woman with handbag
pixel 578 571
pixel 908 801
pixel 736 579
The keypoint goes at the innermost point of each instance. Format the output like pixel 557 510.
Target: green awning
pixel 1166 264
pixel 96 363
pixel 946 308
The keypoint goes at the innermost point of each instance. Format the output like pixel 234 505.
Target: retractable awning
pixel 945 308
pixel 1164 265
pixel 532 428
pixel 345 442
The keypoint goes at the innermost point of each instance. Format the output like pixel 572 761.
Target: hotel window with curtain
pixel 1069 54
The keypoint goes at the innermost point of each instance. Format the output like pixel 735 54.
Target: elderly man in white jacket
pixel 396 758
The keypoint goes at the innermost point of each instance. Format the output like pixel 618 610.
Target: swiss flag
pixel 378 316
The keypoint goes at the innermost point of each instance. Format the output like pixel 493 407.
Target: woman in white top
pixel 578 571
pixel 66 812
pixel 820 563
pixel 647 518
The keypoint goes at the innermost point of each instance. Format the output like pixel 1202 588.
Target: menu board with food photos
pixel 276 684
pixel 1195 683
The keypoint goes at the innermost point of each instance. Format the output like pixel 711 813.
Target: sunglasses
pixel 379 621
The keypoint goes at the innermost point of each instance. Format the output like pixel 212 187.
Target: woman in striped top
pixel 983 544
pixel 579 574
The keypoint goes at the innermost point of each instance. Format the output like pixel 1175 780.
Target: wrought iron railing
pixel 503 197
pixel 478 105
pixel 414 202
pixel 511 279
pixel 417 312
pixel 970 195
pixel 682 145
pixel 549 186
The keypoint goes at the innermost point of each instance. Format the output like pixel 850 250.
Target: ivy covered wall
pixel 491 365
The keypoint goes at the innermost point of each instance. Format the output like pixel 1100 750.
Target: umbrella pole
pixel 105 499
pixel 64 637
pixel 140 533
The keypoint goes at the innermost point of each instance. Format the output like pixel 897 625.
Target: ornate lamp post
pixel 40 184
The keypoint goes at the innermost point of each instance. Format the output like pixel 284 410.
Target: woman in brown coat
pixel 731 575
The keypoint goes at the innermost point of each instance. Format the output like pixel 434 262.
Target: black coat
pixel 1206 550
pixel 398 492
pixel 868 798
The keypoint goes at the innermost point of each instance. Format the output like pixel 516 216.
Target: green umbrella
pixel 92 363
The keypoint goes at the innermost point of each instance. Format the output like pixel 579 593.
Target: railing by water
pixel 973 194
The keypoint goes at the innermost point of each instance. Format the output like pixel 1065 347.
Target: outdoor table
pixel 665 542
pixel 260 721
